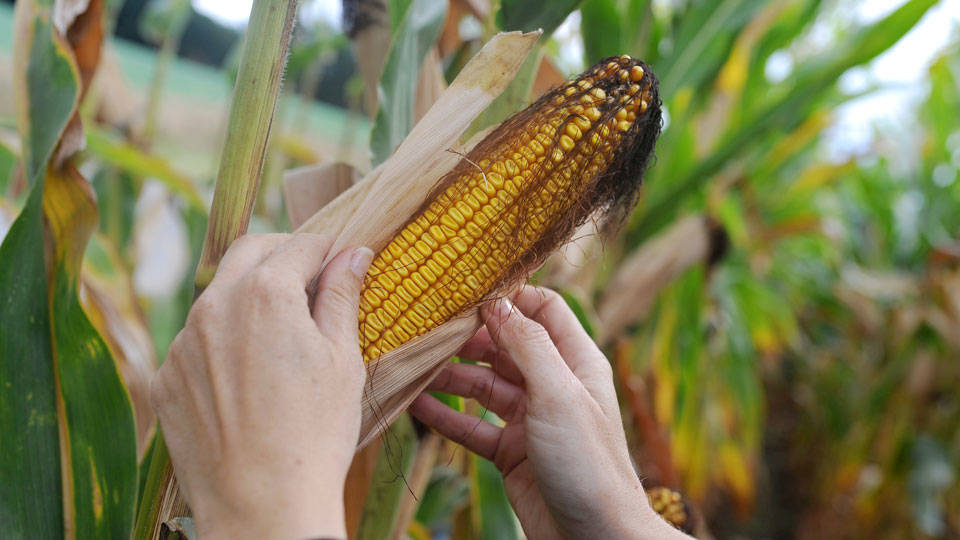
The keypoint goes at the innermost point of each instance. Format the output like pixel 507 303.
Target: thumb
pixel 338 294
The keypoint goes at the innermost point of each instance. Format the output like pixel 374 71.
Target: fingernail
pixel 360 261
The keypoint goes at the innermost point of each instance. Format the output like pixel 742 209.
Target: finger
pixel 338 294
pixel 484 385
pixel 481 348
pixel 577 348
pixel 529 345
pixel 298 260
pixel 243 255
pixel 550 310
pixel 476 435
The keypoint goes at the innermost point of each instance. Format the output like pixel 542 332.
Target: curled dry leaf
pixel 81 22
pixel 66 11
pixel 308 189
pixel 649 269
pixel 368 25
pixel 430 84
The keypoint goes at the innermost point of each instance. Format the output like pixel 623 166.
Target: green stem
pixel 248 131
pixel 168 50
pixel 148 511
pixel 251 116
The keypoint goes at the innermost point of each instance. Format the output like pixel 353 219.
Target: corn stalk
pixel 251 117
pixel 238 180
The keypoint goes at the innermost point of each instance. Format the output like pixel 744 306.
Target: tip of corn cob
pixel 578 151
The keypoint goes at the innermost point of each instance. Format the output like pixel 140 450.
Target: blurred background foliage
pixel 796 375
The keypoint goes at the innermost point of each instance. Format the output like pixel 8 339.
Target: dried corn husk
pixel 369 212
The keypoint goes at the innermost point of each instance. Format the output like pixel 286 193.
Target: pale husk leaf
pixel 430 84
pixel 395 379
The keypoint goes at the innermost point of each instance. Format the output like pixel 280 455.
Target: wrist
pixel 287 514
pixel 285 524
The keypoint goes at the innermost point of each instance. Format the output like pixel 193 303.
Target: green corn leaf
pixel 615 27
pixel 8 166
pixel 577 307
pixel 492 515
pixel 636 28
pixel 446 491
pixel 600 27
pixel 417 31
pixel 702 42
pixel 30 499
pixel 529 16
pixel 130 159
pixel 58 379
pixel 382 508
pixel 782 112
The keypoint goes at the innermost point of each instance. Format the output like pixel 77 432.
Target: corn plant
pixel 781 327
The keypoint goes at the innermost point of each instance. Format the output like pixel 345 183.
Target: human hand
pixel 562 452
pixel 259 400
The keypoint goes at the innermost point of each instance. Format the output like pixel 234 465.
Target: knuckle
pixel 244 243
pixel 340 295
pixel 261 278
pixel 531 332
pixel 480 387
pixel 203 308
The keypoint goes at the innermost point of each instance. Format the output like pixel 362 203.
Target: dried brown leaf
pixel 430 84
pixel 308 189
pixel 639 279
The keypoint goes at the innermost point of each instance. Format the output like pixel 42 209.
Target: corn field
pixel 779 300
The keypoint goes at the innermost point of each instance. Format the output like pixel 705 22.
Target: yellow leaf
pixel 735 473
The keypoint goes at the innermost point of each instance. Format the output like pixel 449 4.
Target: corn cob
pixel 519 194
pixel 671 507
